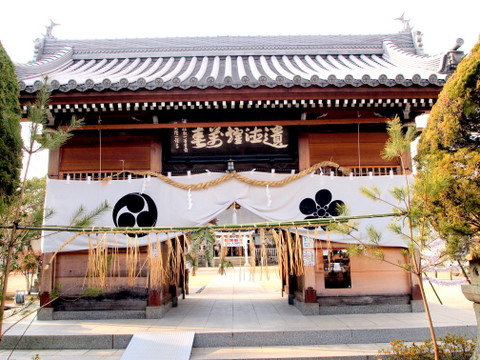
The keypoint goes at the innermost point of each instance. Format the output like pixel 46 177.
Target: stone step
pixel 322 337
pixel 324 352
pixel 239 339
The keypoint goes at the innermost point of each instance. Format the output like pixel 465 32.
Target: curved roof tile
pixel 357 60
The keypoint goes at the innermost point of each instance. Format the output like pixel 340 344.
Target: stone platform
pixel 235 318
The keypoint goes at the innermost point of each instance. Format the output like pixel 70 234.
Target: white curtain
pixel 156 203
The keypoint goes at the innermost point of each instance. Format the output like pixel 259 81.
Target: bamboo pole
pixel 249 226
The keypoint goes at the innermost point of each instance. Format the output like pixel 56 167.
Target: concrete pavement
pixel 237 318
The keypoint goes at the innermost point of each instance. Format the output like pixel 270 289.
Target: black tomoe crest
pixel 135 210
pixel 320 207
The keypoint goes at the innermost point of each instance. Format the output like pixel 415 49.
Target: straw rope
pixel 286 225
pixel 252 257
pixel 299 267
pixel 131 259
pixel 97 264
pixel 279 246
pixel 179 256
pixel 164 268
pixel 229 176
pixel 263 255
pixel 116 267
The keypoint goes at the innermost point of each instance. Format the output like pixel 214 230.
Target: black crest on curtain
pixel 321 206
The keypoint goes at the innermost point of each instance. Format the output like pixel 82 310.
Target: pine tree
pixel 412 222
pixel 41 137
pixel 449 148
pixel 10 133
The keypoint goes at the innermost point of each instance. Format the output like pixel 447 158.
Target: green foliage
pixel 355 249
pixel 343 228
pixel 449 155
pixel 30 214
pixel 399 141
pixel 10 133
pixel 42 134
pixel 81 217
pixel 27 263
pixel 93 292
pixel 372 193
pixel 56 291
pixel 205 237
pixel 32 208
pixel 455 116
pixel 374 236
pixel 451 347
pixel 396 228
pixel 24 203
pixel 223 265
pixel 411 224
pixel 54 138
pixel 192 259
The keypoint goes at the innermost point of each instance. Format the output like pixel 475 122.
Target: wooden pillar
pixel 309 258
pixel 156 156
pixel 303 151
pixel 54 163
pixel 47 280
pixel 154 297
pixel 310 293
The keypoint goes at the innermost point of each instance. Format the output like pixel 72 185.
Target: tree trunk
pixel 429 317
pixel 8 262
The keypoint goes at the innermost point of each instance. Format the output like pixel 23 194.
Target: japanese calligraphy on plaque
pixel 235 140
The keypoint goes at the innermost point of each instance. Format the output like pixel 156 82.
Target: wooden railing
pixel 96 176
pixel 347 171
pixel 375 170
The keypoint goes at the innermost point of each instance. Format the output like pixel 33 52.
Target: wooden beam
pixel 244 93
pixel 375 120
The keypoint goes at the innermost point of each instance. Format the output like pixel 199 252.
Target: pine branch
pixel 82 218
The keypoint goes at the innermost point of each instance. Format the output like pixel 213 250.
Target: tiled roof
pixel 243 61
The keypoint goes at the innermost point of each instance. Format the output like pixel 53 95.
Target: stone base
pixel 364 309
pixel 307 308
pixel 45 314
pixel 157 312
pixel 476 307
pixel 99 315
pixel 150 312
pixel 472 293
pixel 417 306
pixel 317 309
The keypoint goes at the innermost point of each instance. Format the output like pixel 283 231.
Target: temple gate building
pixel 170 124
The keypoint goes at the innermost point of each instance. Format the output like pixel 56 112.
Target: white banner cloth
pixel 152 202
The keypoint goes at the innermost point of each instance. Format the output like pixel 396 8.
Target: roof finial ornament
pixel 49 28
pixel 405 22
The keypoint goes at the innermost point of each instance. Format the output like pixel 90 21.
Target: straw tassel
pixel 263 256
pixel 299 268
pixel 252 257
pixel 279 246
